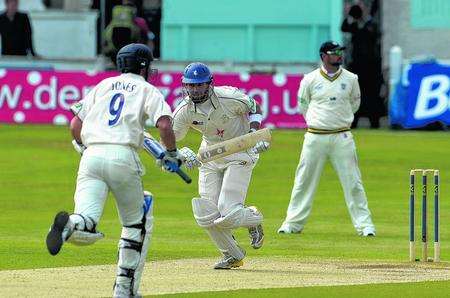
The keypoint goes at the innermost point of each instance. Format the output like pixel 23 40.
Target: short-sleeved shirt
pixel 329 102
pixel 115 111
pixel 227 118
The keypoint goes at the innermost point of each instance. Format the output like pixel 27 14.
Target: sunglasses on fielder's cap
pixel 335 52
pixel 332 48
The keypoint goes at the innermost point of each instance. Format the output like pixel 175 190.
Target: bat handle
pixel 184 176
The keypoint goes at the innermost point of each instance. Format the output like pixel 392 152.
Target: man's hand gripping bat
pixel 155 149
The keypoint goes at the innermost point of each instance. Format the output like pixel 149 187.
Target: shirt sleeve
pixel 303 96
pixel 180 122
pixel 82 107
pixel 355 95
pixel 241 102
pixel 156 106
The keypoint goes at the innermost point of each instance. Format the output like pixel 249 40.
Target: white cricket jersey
pixel 329 102
pixel 227 117
pixel 115 111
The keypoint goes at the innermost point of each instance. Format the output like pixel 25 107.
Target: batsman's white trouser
pixel 109 167
pixel 341 150
pixel 226 181
pixel 223 186
pixel 116 168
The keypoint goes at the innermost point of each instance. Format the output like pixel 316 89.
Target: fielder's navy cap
pixel 330 46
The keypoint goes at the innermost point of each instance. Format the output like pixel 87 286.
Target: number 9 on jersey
pixel 115 109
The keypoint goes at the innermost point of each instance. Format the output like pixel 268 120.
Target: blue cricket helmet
pixel 197 73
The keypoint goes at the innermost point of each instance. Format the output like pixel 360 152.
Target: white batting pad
pixel 240 217
pixel 205 212
pixel 133 246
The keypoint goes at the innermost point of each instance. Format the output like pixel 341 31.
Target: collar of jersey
pixel 133 75
pixel 331 79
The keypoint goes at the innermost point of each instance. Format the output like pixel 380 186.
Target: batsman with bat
pixel 108 130
pixel 220 114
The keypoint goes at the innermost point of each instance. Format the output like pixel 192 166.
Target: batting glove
pixel 261 146
pixel 79 147
pixel 171 161
pixel 190 158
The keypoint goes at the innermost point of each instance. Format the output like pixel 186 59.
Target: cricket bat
pixel 233 145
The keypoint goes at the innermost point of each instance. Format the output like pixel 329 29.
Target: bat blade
pixel 234 145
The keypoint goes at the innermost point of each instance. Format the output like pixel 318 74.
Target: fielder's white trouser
pixel 341 150
pixel 117 168
pixel 223 186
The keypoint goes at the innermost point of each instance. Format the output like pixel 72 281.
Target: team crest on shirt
pixel 318 87
pixel 225 118
pixel 220 132
pixel 343 86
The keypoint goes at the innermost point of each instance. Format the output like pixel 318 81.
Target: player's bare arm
pixel 164 125
pixel 167 135
pixel 75 128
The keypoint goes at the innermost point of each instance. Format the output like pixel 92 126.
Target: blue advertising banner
pixel 422 96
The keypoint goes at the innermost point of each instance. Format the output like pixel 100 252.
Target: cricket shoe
pixel 287 229
pixel 256 234
pixel 55 235
pixel 368 232
pixel 229 262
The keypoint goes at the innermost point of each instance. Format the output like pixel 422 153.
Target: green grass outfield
pixel 37 178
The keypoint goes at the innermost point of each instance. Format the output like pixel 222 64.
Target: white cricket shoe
pixel 229 262
pixel 368 232
pixel 288 230
pixel 256 234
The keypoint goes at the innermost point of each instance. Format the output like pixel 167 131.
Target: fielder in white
pixel 108 131
pixel 221 113
pixel 328 98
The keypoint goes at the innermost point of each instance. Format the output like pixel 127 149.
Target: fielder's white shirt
pixel 329 102
pixel 227 117
pixel 115 111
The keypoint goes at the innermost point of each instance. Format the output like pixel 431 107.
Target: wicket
pixel 437 248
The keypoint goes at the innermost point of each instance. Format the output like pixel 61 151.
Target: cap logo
pixel 195 72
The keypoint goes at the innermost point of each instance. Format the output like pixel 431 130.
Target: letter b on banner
pixel 432 100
